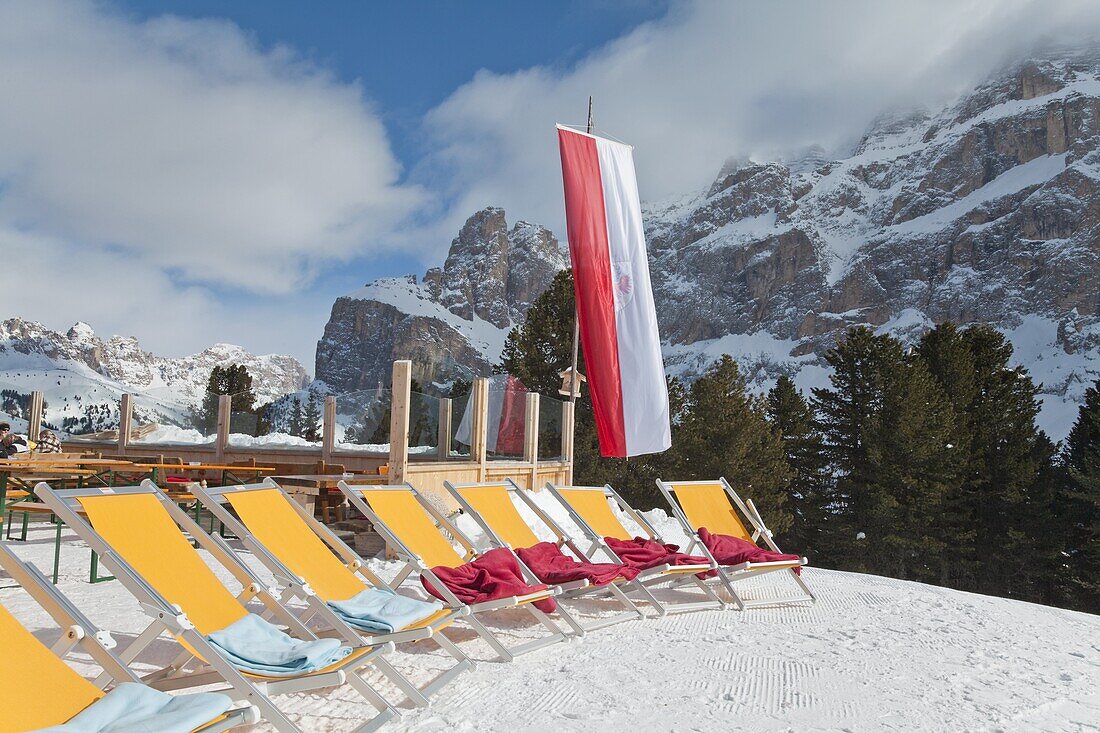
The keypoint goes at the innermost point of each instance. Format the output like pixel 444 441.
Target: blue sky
pixel 407 58
pixel 196 171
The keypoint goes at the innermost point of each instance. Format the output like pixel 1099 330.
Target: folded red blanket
pixel 734 550
pixel 494 575
pixel 551 565
pixel 643 554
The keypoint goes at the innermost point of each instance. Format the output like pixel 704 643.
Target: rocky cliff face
pixel 986 211
pixel 453 321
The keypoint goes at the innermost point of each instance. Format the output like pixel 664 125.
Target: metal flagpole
pixel 574 381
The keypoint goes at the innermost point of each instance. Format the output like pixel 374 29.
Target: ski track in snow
pixel 872 654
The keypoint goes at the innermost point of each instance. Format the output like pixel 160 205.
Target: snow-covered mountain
pixel 450 323
pixel 983 211
pixel 82 376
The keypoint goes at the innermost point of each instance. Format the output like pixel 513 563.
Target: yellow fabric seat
pixel 269 517
pixel 708 505
pixel 34 668
pixel 405 517
pixel 496 508
pixel 594 508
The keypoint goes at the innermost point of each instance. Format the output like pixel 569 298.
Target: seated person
pixel 48 442
pixel 11 444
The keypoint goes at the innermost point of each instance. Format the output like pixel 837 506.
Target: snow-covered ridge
pixel 981 212
pixel 82 375
pixel 413 298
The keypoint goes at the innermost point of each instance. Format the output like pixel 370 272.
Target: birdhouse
pixel 569 385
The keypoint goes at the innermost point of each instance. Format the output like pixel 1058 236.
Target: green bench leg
pixel 94 576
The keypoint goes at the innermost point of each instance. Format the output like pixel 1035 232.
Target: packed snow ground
pixel 872 654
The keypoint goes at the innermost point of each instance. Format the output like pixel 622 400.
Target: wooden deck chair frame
pixel 730 574
pixel 573 589
pixel 210 666
pixel 415 564
pixel 670 575
pixel 80 632
pixel 296 587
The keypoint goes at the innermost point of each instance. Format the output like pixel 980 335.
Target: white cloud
pixel 57 283
pixel 180 146
pixel 716 79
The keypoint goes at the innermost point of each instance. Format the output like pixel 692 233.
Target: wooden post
pixel 34 419
pixel 328 429
pixel 531 437
pixel 399 420
pixel 567 439
pixel 479 393
pixel 225 409
pixel 125 417
pixel 444 442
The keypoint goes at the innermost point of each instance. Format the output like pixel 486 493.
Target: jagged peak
pixel 80 331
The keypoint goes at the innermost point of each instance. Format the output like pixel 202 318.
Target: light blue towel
pixel 381 611
pixel 134 708
pixel 254 645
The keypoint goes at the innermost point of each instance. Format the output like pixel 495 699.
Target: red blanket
pixel 494 575
pixel 643 554
pixel 551 565
pixel 734 550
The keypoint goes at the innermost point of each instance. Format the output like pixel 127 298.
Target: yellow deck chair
pixel 590 508
pixel 312 564
pixel 491 506
pixel 47 692
pixel 716 506
pixel 138 533
pixel 414 528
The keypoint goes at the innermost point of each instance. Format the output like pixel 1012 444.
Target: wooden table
pixel 226 470
pixel 25 478
pixel 308 488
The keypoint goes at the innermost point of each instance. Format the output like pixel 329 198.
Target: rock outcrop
pixel 452 322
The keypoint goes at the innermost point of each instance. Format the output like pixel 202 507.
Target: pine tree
pixel 889 436
pixel 724 432
pixel 1081 459
pixel 231 380
pixel 296 418
pixel 809 489
pixel 1006 464
pixel 539 350
pixel 311 421
pixel 917 467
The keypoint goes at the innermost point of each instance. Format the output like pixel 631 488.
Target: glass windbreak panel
pixel 423 424
pixel 160 421
pixel 292 421
pixel 15 406
pixel 363 421
pixel 91 416
pixel 506 419
pixel 549 428
pixel 460 427
pixel 153 423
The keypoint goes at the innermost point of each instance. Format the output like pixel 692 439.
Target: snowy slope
pixel 872 654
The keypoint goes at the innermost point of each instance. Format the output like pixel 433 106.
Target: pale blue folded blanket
pixel 134 708
pixel 381 611
pixel 254 645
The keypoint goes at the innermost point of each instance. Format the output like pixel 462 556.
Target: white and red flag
pixel 618 321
